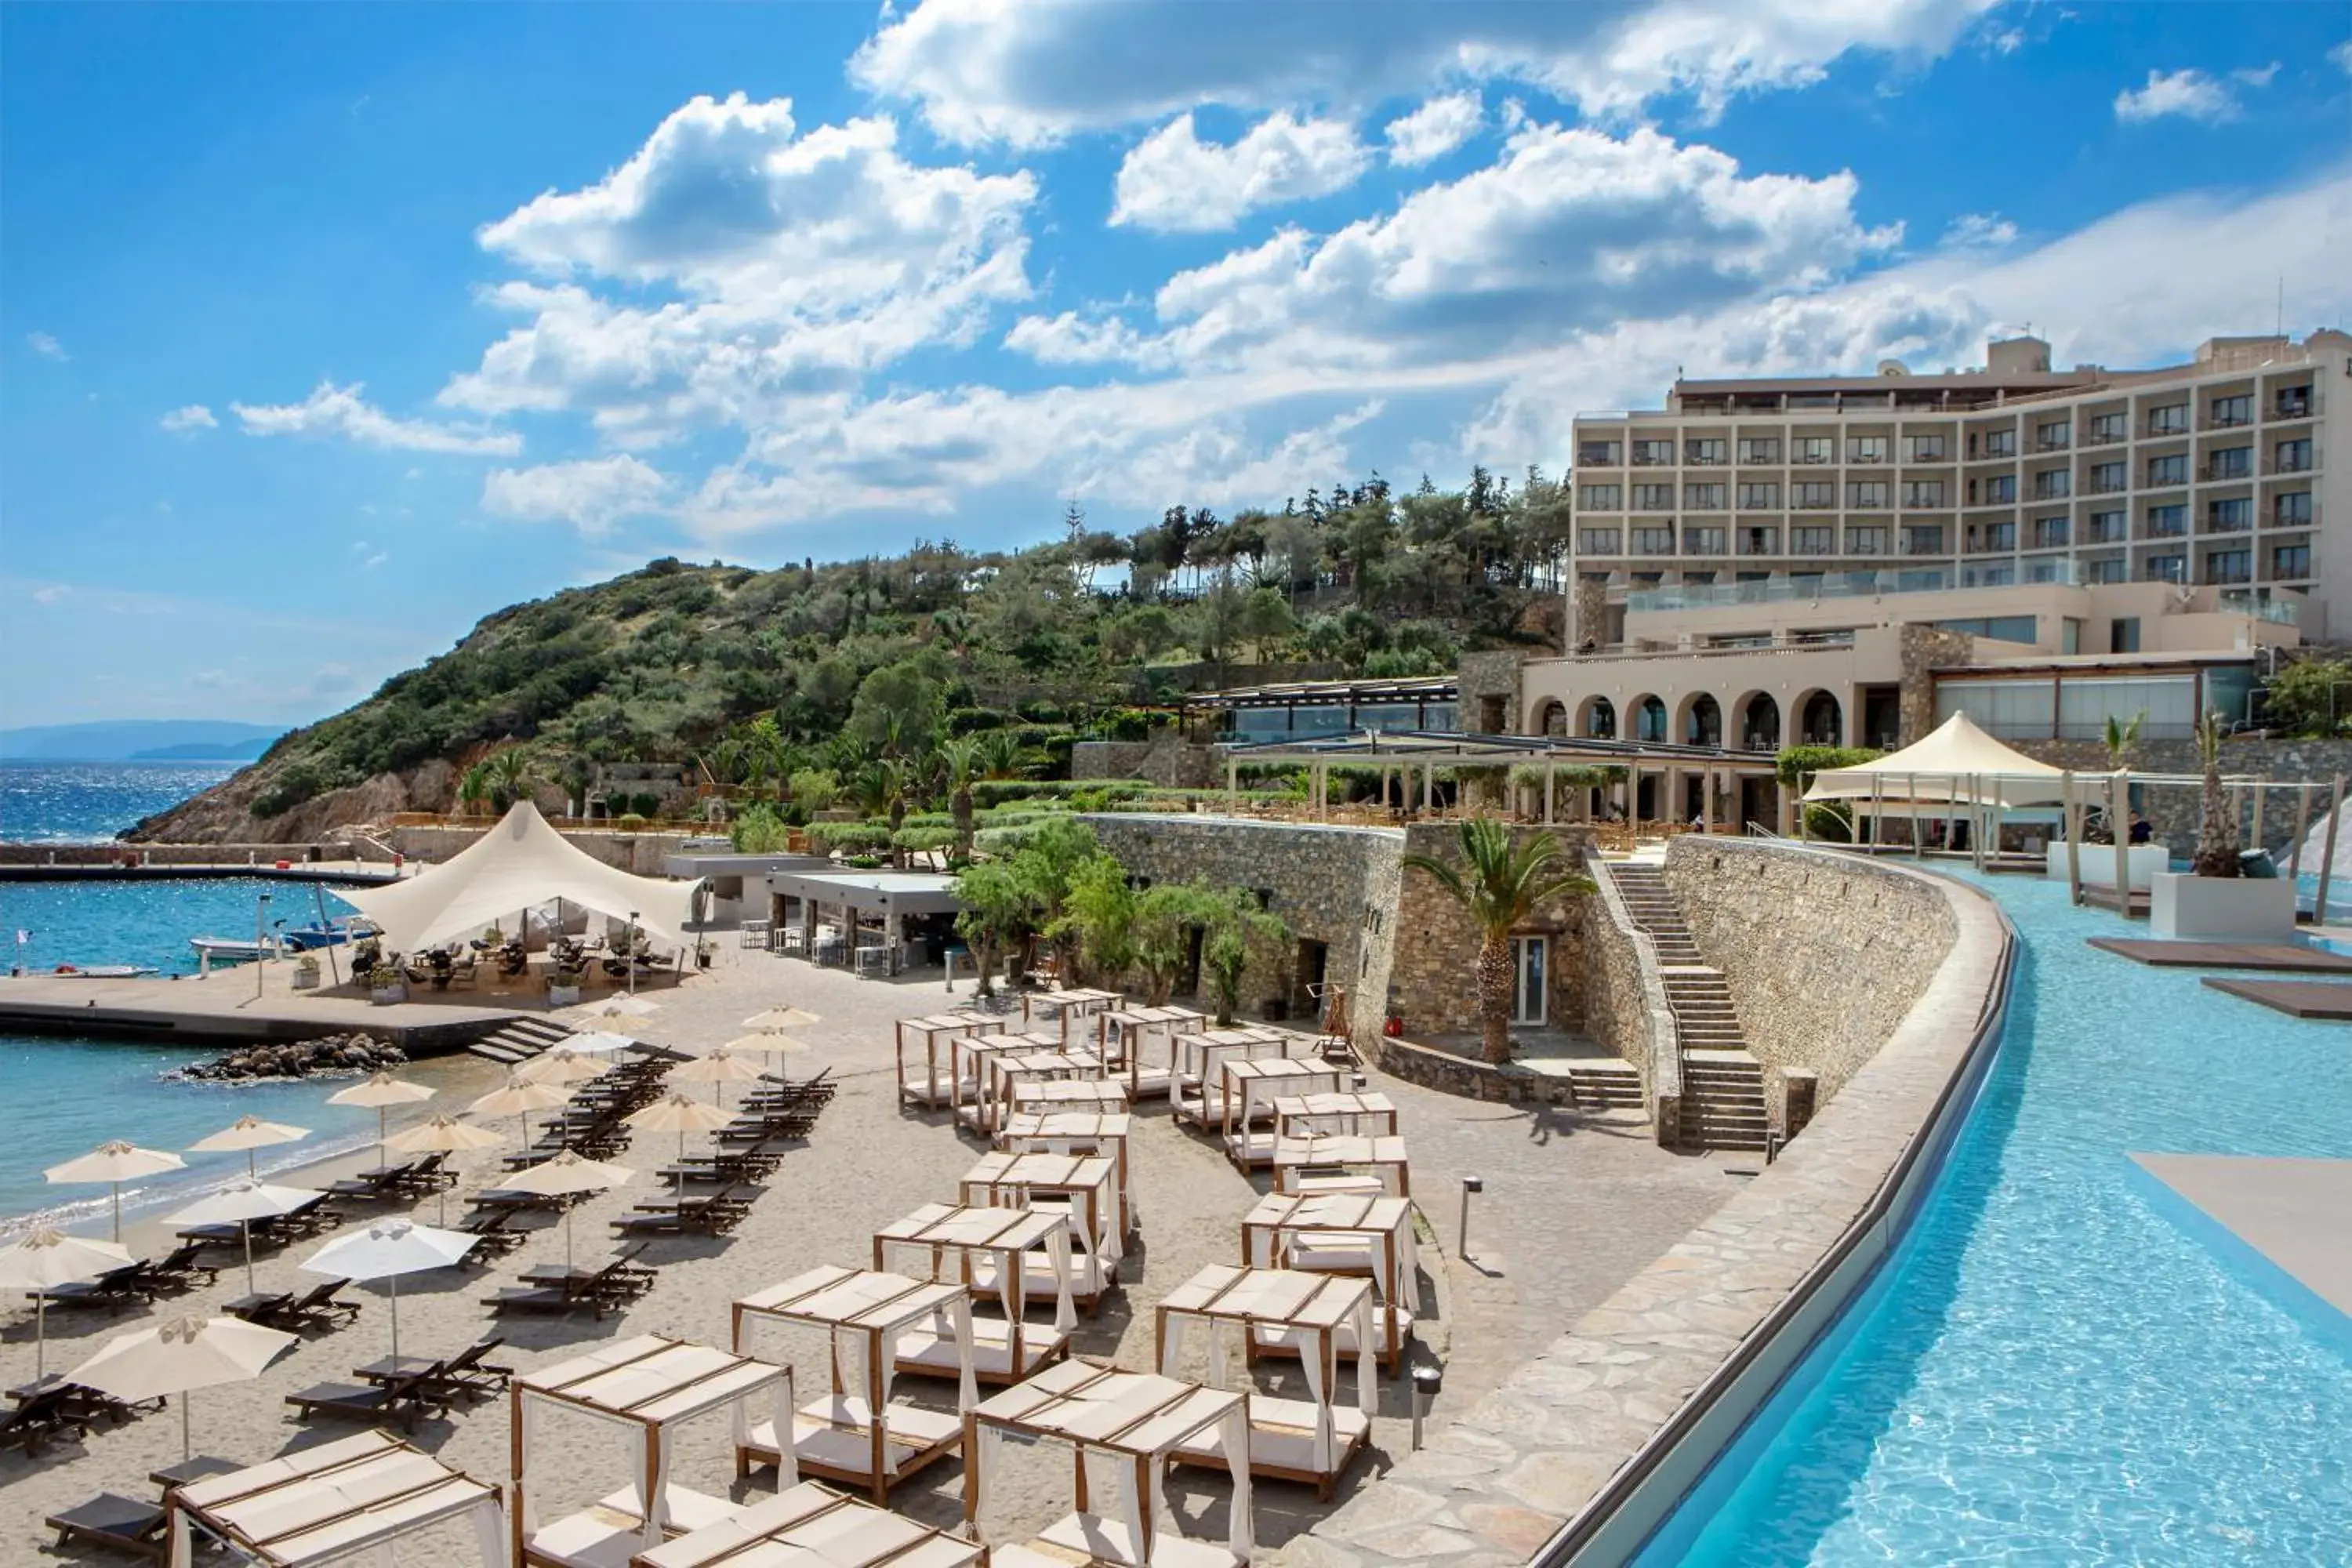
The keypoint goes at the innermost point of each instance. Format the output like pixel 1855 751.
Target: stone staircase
pixel 520 1041
pixel 1722 1085
pixel 1605 1084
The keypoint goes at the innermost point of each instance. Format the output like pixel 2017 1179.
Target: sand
pixel 868 1162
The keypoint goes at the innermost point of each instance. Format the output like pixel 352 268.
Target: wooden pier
pixel 220 1010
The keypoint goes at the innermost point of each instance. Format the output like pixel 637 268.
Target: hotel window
pixel 1763 495
pixel 2048 532
pixel 1706 450
pixel 2294 402
pixel 1926 539
pixel 2053 433
pixel 2294 457
pixel 1603 498
pixel 1817 448
pixel 2001 628
pixel 1703 541
pixel 2290 561
pixel 1705 498
pixel 2106 427
pixel 2000 577
pixel 1653 542
pixel 2001 443
pixel 2001 489
pixel 1813 494
pixel 2169 420
pixel 2105 528
pixel 2123 632
pixel 2167 521
pixel 2106 571
pixel 1865 448
pixel 2167 568
pixel 1759 448
pixel 1812 539
pixel 1760 541
pixel 2233 516
pixel 1994 536
pixel 2237 410
pixel 1597 454
pixel 1654 498
pixel 2292 509
pixel 1923 493
pixel 1925 448
pixel 1654 453
pixel 1600 540
pixel 1866 540
pixel 2229 565
pixel 1866 495
pixel 2171 470
pixel 2107 479
pixel 2233 463
pixel 2052 484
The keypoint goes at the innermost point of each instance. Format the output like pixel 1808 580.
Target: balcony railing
pixel 2290 466
pixel 2155 432
pixel 1809 586
pixel 1650 460
pixel 2105 438
pixel 2212 471
pixel 2058 444
pixel 2107 486
pixel 2294 407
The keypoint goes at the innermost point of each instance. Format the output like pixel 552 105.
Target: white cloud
pixel 2255 75
pixel 51 593
pixel 1173 181
pixel 1980 231
pixel 1436 129
pixel 47 347
pixel 2342 55
pixel 194 416
pixel 1029 73
pixel 332 410
pixel 2188 93
pixel 590 494
pixel 1072 339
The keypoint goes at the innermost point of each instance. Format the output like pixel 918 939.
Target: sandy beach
pixel 868 1163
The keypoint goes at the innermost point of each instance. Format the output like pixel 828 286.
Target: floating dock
pixel 2296 998
pixel 2276 957
pixel 220 1010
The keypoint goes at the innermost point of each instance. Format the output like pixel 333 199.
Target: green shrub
pixel 863 862
pixel 300 781
pixel 920 839
pixel 1794 761
pixel 759 831
pixel 630 821
pixel 646 802
pixel 1829 821
pixel 966 720
pixel 849 838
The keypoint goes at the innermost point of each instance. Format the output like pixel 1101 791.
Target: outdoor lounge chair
pixel 180 1270
pixel 121 1288
pixel 466 1375
pixel 380 1186
pixel 712 1214
pixel 315 1307
pixel 260 1306
pixel 46 1416
pixel 492 1233
pixel 401 1400
pixel 609 1287
pixel 116 1523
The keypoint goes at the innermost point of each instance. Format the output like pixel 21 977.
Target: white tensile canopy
pixel 521 862
pixel 1959 765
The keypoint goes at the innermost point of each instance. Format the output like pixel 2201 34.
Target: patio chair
pixel 115 1523
pixel 121 1287
pixel 40 1420
pixel 180 1270
pixel 493 1235
pixel 260 1307
pixel 403 1400
pixel 315 1307
pixel 466 1375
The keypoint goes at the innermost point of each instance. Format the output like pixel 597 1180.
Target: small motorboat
pixel 232 949
pixel 105 971
pixel 333 934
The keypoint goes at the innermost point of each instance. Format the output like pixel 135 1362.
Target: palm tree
pixel 960 763
pixel 1000 754
pixel 511 777
pixel 2217 837
pixel 2121 738
pixel 474 788
pixel 1499 884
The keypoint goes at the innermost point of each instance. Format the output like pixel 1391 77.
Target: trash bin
pixel 2257 863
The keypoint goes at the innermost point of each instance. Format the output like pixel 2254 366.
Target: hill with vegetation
pixel 747 678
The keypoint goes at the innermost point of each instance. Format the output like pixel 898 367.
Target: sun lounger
pixel 315 1307
pixel 712 1214
pixel 128 1286
pixel 553 1289
pixel 402 1401
pixel 116 1523
pixel 180 1271
pixel 380 1186
pixel 260 1306
pixel 42 1419
pixel 466 1375
pixel 492 1233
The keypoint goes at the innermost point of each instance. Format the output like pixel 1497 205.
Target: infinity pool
pixel 2053 1368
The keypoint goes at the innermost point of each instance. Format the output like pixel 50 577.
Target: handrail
pixel 1758 830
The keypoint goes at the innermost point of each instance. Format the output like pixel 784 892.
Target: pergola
pixel 935 1088
pixel 1344 1233
pixel 1360 1161
pixel 1310 1440
pixel 336 1500
pixel 1081 1188
pixel 967 1070
pixel 1124 1035
pixel 990 1248
pixel 809 1526
pixel 1053 1065
pixel 1199 1091
pixel 1056 1129
pixel 1351 1110
pixel 647 1384
pixel 1251 1086
pixel 857 1434
pixel 1124 1428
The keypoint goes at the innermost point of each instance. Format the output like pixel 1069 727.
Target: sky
pixel 327 329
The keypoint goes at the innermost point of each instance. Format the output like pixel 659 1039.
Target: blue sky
pixel 325 330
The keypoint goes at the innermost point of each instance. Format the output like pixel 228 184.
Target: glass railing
pixel 2279 612
pixel 1835 585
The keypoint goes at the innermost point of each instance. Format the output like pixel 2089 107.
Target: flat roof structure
pixel 878 893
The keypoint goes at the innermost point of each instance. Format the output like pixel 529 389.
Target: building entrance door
pixel 1528 968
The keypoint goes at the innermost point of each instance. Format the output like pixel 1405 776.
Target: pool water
pixel 2052 1368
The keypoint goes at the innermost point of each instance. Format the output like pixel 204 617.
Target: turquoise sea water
pixel 2055 1368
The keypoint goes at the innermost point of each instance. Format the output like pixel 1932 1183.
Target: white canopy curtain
pixel 1959 765
pixel 518 863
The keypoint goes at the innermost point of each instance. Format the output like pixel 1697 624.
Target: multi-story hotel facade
pixel 2216 473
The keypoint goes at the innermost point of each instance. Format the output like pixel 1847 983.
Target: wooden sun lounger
pixel 402 1401
pixel 116 1523
pixel 491 1234
pixel 115 1290
pixel 315 1307
pixel 381 1186
pixel 466 1375
pixel 51 1414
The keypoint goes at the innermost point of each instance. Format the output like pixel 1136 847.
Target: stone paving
pixel 1502 1477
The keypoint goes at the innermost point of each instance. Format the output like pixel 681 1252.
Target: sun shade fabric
pixel 811 1526
pixel 1958 765
pixel 521 862
pixel 334 1501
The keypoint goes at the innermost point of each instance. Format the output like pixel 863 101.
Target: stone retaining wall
pixel 1433 986
pixel 1166 760
pixel 640 853
pixel 2174 813
pixel 1626 1002
pixel 227 856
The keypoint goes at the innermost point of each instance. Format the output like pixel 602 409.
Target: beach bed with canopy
pixel 1063 1012
pixel 1006 1068
pixel 1310 1440
pixel 1351 1110
pixel 1370 1237
pixel 1251 1085
pixel 857 1434
pixel 1197 1094
pixel 1034 1094
pixel 647 1384
pixel 1139 1044
pixel 967 1070
pixel 1083 1188
pixel 926 1080
pixel 1343 1163
pixel 1000 1252
pixel 1054 1128
pixel 1124 1429
pixel 811 1526
pixel 336 1502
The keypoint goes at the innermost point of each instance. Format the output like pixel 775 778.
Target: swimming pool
pixel 2052 1368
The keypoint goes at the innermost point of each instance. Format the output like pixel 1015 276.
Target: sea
pixel 60 1098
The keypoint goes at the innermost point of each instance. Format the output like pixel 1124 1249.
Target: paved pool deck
pixel 2296 1214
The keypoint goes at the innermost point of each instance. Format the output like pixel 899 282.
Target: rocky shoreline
pixel 329 1056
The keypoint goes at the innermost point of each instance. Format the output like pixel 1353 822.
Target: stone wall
pixel 640 853
pixel 1488 679
pixel 1433 986
pixel 226 854
pixel 1167 759
pixel 1337 886
pixel 1923 648
pixel 1824 952
pixel 1626 1002
pixel 2175 811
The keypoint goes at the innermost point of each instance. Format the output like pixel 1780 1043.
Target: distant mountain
pixel 138 739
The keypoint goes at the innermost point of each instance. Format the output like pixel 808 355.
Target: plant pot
pixel 2142 863
pixel 385 997
pixel 306 980
pixel 563 995
pixel 2222 909
pixel 702 959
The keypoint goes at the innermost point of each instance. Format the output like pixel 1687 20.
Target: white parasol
pixel 240 1204
pixel 381 1090
pixel 520 1097
pixel 49 1257
pixel 560 1065
pixel 781 1018
pixel 386 1250
pixel 249 1133
pixel 566 1173
pixel 680 1114
pixel 116 1164
pixel 443 1135
pixel 721 1066
pixel 176 1357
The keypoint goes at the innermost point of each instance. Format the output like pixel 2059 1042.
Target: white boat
pixel 233 948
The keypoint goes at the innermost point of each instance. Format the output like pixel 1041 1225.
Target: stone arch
pixel 1821 718
pixel 1756 723
pixel 1646 720
pixel 1596 718
pixel 1551 718
pixel 1698 720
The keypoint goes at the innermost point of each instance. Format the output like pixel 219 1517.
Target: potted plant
pixel 2214 900
pixel 564 986
pixel 306 972
pixel 387 986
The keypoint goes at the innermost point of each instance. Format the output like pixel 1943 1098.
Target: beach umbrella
pixel 680 1114
pixel 721 1066
pixel 177 1357
pixel 520 1097
pixel 240 1204
pixel 381 1090
pixel 115 1164
pixel 771 1043
pixel 559 1066
pixel 442 1136
pixel 596 1043
pixel 566 1173
pixel 49 1257
pixel 249 1133
pixel 626 1007
pixel 777 1019
pixel 386 1250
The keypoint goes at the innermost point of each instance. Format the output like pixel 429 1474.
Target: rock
pixel 332 1056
